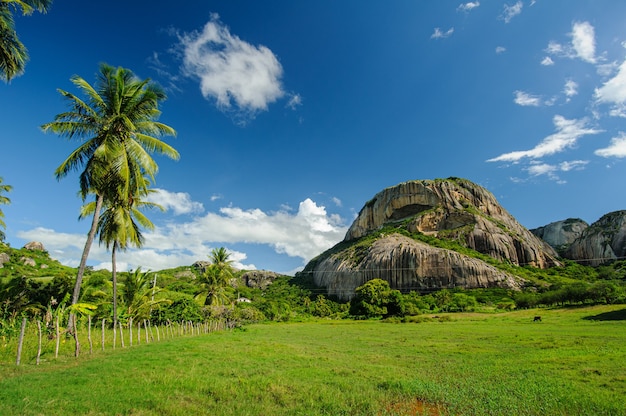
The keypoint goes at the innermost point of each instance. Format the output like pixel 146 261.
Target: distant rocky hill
pixel 444 209
pixel 596 244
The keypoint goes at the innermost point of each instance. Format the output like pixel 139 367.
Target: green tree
pixel 13 53
pixel 138 293
pixel 118 129
pixel 3 201
pixel 376 299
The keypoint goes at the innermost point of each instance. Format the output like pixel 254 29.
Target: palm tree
pixel 118 127
pixel 13 53
pixel 3 201
pixel 215 279
pixel 120 225
pixel 138 294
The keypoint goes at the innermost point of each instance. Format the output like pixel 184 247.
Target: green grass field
pixel 571 363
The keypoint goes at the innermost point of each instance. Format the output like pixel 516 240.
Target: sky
pixel 290 116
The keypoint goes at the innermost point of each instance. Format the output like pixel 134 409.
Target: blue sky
pixel 292 115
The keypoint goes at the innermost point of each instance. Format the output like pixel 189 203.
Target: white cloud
pixel 526 100
pixel 570 89
pixel 539 169
pixel 303 234
pixel 511 11
pixel 179 202
pixel 583 44
pixel 547 61
pixel 438 34
pixel 466 7
pixel 614 92
pixel 500 49
pixel 295 100
pixel 231 70
pixel 567 134
pixel 617 148
pixel 584 41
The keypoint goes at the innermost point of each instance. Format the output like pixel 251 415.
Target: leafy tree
pixel 3 201
pixel 376 299
pixel 13 53
pixel 118 129
pixel 138 293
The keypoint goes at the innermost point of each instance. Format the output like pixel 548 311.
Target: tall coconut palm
pixel 3 201
pixel 13 53
pixel 118 127
pixel 120 224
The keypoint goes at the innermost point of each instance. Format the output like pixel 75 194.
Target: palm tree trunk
pixel 114 273
pixel 83 259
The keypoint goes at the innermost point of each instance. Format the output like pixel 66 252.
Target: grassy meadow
pixel 571 363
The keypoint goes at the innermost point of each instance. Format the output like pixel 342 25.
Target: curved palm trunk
pixel 83 259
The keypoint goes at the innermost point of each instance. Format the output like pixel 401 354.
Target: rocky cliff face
pixel 561 234
pixel 458 209
pixel 451 209
pixel 407 265
pixel 602 241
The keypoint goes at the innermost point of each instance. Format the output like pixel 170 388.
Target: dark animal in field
pixel 537 319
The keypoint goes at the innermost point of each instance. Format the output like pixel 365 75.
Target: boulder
pixel 27 261
pixel 35 246
pixel 4 258
pixel 260 279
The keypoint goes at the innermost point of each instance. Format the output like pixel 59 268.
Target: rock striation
pixel 601 242
pixel 446 209
pixel 561 234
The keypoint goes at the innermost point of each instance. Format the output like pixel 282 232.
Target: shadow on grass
pixel 619 315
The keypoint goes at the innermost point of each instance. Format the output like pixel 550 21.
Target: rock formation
pixel 602 241
pixel 35 246
pixel 452 209
pixel 258 278
pixel 4 258
pixel 561 234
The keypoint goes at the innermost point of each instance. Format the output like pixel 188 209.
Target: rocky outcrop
pixel 4 258
pixel 601 242
pixel 452 209
pixel 260 279
pixel 457 209
pixel 561 234
pixel 408 265
pixel 35 246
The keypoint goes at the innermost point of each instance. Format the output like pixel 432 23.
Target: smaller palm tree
pixel 138 293
pixel 3 201
pixel 215 280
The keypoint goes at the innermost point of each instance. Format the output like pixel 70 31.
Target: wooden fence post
pixel 102 339
pixel 39 345
pixel 89 336
pixel 20 342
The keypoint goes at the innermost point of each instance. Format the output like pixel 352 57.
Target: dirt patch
pixel 413 407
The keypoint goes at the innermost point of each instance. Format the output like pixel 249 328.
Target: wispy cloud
pixel 469 6
pixel 295 101
pixel 527 100
pixel 303 234
pixel 551 171
pixel 613 92
pixel 510 11
pixel 178 202
pixel 438 34
pixel 617 148
pixel 500 49
pixel 567 134
pixel 570 89
pixel 547 61
pixel 231 71
pixel 582 46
